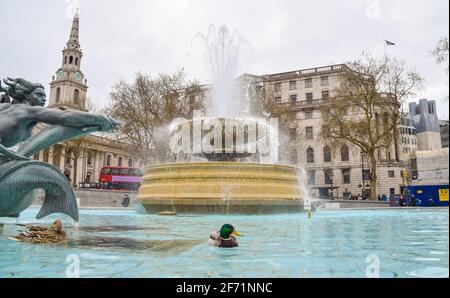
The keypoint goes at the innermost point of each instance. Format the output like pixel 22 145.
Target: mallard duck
pixel 41 235
pixel 224 237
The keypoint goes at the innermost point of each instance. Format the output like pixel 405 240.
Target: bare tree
pixel 441 52
pixel 74 150
pixel 366 108
pixel 147 106
pixel 264 103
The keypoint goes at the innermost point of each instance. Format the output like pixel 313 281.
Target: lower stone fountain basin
pixel 221 187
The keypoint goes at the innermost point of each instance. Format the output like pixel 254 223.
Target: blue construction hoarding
pixel 426 195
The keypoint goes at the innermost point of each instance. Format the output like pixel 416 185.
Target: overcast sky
pixel 120 38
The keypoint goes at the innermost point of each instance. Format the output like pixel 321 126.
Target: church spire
pixel 73 42
pixel 68 87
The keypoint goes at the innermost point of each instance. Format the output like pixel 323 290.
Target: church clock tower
pixel 68 87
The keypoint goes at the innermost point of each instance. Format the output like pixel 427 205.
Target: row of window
pixel 409 141
pixel 71 60
pixel 346 177
pixel 407 131
pixel 329 177
pixel 108 161
pixel 309 97
pixel 409 150
pixel 308 83
pixel 327 156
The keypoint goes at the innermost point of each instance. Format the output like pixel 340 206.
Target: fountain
pixel 228 172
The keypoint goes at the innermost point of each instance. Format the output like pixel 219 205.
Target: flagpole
pixel 385 53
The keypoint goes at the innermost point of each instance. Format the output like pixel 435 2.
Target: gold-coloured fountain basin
pixel 221 187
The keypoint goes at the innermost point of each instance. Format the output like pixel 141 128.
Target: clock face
pixel 60 74
pixel 78 76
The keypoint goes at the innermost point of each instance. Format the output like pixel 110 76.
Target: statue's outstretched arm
pixel 72 118
pixel 11 154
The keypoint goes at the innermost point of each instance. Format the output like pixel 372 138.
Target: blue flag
pixel 389 43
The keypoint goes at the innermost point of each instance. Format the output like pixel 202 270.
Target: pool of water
pixel 108 243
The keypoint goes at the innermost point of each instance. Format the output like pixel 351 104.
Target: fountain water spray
pixel 223 51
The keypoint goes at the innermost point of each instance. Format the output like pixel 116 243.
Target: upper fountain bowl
pixel 226 139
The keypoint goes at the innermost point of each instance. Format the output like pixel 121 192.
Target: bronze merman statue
pixel 21 178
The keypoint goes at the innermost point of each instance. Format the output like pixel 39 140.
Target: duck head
pixel 57 226
pixel 228 230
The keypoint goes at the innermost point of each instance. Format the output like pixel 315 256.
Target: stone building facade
pixel 68 88
pixel 340 171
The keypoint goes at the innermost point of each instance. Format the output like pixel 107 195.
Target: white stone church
pixel 69 89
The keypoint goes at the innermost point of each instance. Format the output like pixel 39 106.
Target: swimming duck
pixel 41 235
pixel 225 237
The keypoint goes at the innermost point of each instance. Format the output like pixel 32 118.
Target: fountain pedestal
pixel 221 187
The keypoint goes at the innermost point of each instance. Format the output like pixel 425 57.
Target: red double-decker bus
pixel 120 178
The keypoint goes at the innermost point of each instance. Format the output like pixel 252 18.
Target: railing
pixel 306 72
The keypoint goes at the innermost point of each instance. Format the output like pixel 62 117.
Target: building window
pixel 308 115
pixel 309 133
pixel 76 96
pixel 277 87
pixel 278 99
pixel 326 154
pixel 328 173
pixel 293 98
pixel 391 174
pixel 325 95
pixel 120 161
pixel 346 176
pixel 58 94
pixel 71 60
pixel 293 134
pixel 108 160
pixel 324 81
pixel 309 98
pixel 345 154
pixel 311 177
pixel 76 61
pixel 308 83
pixel 65 59
pixel 292 85
pixel 130 163
pixel 310 155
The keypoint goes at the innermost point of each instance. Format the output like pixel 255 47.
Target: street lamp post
pixel 363 190
pixel 331 176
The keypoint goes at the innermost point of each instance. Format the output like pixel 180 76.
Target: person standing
pixel 413 201
pixel 126 201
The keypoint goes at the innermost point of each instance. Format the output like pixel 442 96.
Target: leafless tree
pixel 74 150
pixel 264 103
pixel 146 107
pixel 441 52
pixel 366 108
